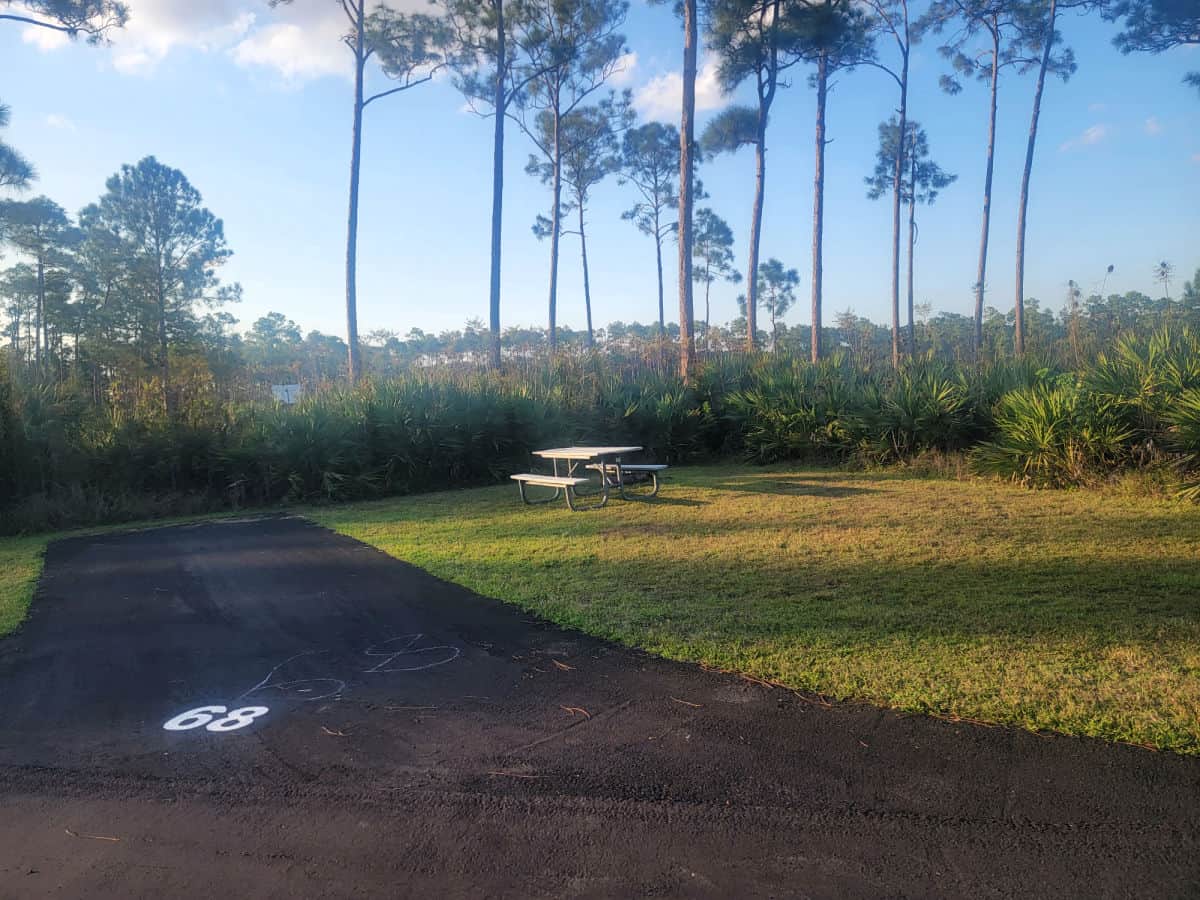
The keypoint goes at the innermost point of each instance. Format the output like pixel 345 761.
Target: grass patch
pixel 20 567
pixel 1077 612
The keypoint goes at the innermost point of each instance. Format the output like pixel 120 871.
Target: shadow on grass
pixel 773 484
pixel 660 500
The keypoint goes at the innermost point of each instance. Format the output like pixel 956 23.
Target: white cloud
pixel 661 97
pixel 1092 135
pixel 156 27
pixel 625 70
pixel 1153 126
pixel 300 40
pixel 291 51
pixel 44 38
pixel 54 120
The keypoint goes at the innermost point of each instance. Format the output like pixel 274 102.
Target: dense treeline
pixel 67 460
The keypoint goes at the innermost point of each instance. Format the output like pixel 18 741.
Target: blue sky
pixel 253 105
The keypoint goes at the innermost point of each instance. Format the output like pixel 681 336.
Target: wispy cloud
pixel 44 39
pixel 290 50
pixel 1097 107
pixel 54 120
pixel 299 41
pixel 1092 135
pixel 661 97
pixel 1153 127
pixel 625 71
pixel 157 27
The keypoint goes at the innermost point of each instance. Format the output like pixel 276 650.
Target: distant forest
pixel 124 298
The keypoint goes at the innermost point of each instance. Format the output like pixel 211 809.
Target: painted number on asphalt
pixel 215 718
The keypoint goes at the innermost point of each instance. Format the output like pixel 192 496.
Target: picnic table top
pixel 583 452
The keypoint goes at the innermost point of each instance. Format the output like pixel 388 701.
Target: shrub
pixel 1141 378
pixel 65 458
pixel 10 432
pixel 922 408
pixel 1183 418
pixel 1051 436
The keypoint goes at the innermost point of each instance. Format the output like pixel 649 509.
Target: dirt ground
pixel 263 708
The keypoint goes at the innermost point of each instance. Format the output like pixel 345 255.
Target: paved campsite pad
pixel 421 740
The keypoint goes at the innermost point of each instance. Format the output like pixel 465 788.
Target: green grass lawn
pixel 20 566
pixel 1077 612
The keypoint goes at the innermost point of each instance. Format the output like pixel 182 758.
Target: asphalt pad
pixel 263 708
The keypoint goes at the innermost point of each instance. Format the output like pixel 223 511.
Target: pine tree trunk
pixel 760 177
pixel 39 321
pixel 662 323
pixel 819 203
pixel 707 289
pixel 1019 325
pixel 353 363
pixel 555 230
pixel 897 185
pixel 687 139
pixel 587 287
pixel 498 101
pixel 912 240
pixel 981 280
pixel 164 362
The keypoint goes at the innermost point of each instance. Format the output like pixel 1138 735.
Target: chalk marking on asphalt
pixel 232 720
pixel 392 654
pixel 92 837
pixel 286 685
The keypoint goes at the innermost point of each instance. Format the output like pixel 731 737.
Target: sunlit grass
pixel 20 566
pixel 1072 611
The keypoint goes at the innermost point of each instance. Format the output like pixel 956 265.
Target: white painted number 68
pixel 206 717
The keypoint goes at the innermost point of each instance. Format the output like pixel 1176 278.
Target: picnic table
pixel 605 461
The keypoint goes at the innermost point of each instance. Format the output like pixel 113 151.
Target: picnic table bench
pixel 606 461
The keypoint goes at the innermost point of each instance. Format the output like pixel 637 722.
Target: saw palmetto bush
pixel 922 407
pixel 1183 437
pixel 66 459
pixel 985 384
pixel 1141 378
pixel 792 409
pixel 1052 436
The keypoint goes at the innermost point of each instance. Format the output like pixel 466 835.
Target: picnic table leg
pixel 527 501
pixel 573 500
pixel 573 494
